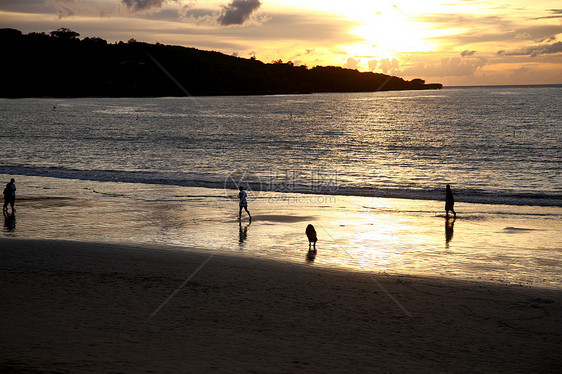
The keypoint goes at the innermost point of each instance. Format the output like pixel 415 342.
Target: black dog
pixel 311 234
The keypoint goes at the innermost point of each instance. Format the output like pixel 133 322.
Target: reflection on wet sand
pixel 311 255
pixel 449 230
pixel 243 233
pixel 10 221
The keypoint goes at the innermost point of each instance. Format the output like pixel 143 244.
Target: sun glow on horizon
pixel 386 34
pixel 386 30
pixel 455 42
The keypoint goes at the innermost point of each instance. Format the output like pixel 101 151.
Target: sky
pixel 462 42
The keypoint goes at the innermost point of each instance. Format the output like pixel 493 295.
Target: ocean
pixel 498 147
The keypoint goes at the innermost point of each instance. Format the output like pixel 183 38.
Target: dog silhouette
pixel 311 235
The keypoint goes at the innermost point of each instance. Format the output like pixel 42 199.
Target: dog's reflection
pixel 311 255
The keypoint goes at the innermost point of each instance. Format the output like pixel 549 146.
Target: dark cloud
pixel 547 40
pixel 238 12
pixel 557 12
pixel 143 5
pixel 534 51
pixel 467 53
pixel 548 17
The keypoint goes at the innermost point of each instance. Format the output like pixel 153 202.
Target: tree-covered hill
pixel 60 64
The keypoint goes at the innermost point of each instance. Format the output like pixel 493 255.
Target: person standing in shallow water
pixel 449 202
pixel 243 196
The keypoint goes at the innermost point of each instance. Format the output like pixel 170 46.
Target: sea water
pixel 321 155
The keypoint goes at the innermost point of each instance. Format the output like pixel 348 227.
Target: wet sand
pixel 490 243
pixel 78 307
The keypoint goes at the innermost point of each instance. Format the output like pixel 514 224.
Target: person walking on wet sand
pixel 243 196
pixel 449 202
pixel 10 195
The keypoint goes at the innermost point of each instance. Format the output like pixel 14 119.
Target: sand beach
pixel 86 307
pixel 104 277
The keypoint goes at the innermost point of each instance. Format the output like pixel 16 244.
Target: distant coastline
pixel 554 85
pixel 60 64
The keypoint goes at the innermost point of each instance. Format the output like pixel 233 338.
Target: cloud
pixel 68 8
pixel 386 65
pixel 238 12
pixel 454 20
pixel 449 67
pixel 485 28
pixel 197 16
pixel 389 66
pixel 143 5
pixel 467 53
pixel 523 35
pixel 351 63
pixel 557 12
pixel 65 8
pixel 534 51
pixel 547 40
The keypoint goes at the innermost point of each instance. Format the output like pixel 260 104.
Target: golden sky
pixel 462 42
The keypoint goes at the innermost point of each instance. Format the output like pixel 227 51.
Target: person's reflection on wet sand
pixel 449 228
pixel 10 221
pixel 243 233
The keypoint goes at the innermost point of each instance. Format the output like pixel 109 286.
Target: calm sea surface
pixel 499 145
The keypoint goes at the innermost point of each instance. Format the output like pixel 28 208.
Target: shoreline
pixel 85 307
pixel 534 199
pixel 508 245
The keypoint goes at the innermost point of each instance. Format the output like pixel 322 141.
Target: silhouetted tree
pixel 95 40
pixel 7 34
pixel 38 65
pixel 64 33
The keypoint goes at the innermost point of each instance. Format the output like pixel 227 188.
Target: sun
pixel 387 33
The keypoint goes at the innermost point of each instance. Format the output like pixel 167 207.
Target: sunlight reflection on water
pixel 517 245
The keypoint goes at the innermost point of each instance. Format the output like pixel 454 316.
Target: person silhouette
pixel 10 195
pixel 449 202
pixel 243 196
